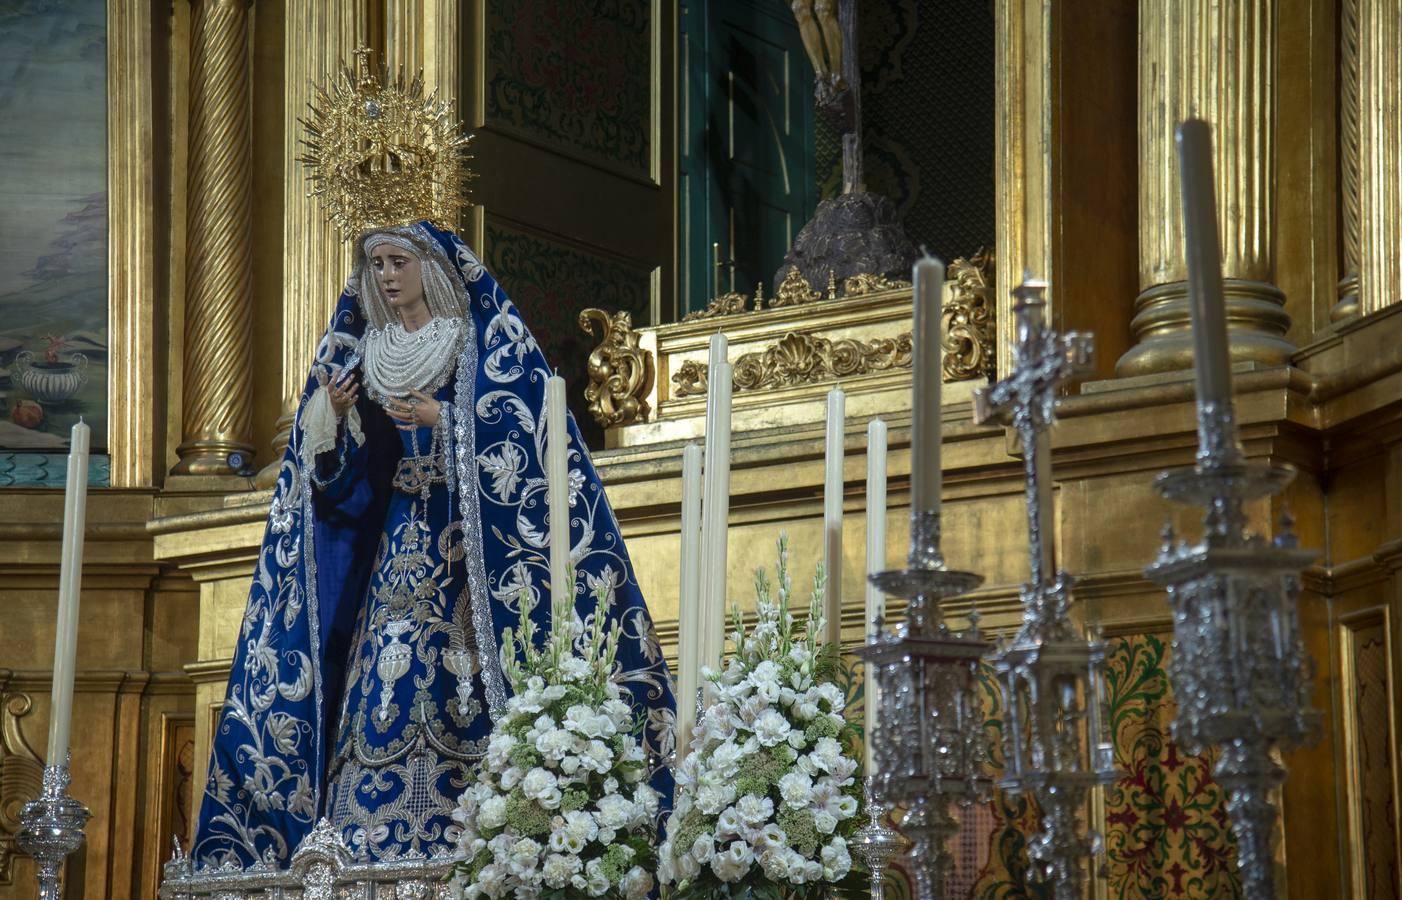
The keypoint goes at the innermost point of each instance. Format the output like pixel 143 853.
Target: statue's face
pixel 400 274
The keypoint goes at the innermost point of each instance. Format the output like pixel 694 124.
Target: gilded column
pixel 321 38
pixel 1214 60
pixel 1380 148
pixel 1350 192
pixel 218 395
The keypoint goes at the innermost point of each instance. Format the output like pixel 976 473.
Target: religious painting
pixel 53 233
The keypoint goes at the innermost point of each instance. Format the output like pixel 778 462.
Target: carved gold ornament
pixel 724 305
pixel 381 153
pixel 866 283
pixel 620 371
pixel 794 289
pixel 967 320
pixel 800 359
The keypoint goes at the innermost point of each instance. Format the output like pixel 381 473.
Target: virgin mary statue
pixel 408 518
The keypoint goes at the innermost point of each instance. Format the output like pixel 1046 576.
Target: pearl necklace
pixel 399 361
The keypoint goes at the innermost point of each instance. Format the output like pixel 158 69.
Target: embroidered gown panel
pixel 410 725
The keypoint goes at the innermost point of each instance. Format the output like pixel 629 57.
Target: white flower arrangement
pixel 561 807
pixel 768 793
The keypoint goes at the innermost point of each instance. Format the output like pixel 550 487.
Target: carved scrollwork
pixel 621 372
pixel 866 283
pixel 800 359
pixel 725 305
pixel 967 320
pixel 794 290
pixel 21 774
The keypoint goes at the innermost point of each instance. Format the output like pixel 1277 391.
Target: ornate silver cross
pixel 1050 675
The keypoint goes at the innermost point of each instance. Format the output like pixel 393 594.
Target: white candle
pixel 1212 365
pixel 925 479
pixel 876 521
pixel 833 486
pixel 715 506
pixel 689 607
pixel 557 486
pixel 876 562
pixel 70 577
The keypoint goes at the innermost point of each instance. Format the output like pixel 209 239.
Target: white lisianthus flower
pixel 837 862
pixel 824 821
pixel 703 849
pixel 733 863
pixel 636 884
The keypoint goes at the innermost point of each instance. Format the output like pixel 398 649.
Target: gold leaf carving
pixel 621 372
pixel 967 320
pixel 794 290
pixel 724 305
pixel 866 283
pixel 799 359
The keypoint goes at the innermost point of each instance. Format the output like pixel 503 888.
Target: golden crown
pixel 381 153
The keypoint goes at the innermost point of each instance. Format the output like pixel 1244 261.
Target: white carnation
pixel 491 815
pixel 559 869
pixel 771 728
pixel 796 789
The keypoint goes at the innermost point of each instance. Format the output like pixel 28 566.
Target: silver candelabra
pixel 1239 669
pixel 874 843
pixel 1050 675
pixel 51 827
pixel 929 750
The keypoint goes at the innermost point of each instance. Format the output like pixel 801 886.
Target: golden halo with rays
pixel 380 153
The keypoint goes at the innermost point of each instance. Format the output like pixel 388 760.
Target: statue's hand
pixel 343 395
pixel 420 411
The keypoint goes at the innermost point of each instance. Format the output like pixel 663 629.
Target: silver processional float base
pixel 322 869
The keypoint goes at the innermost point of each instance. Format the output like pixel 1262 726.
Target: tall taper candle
pixel 715 506
pixel 833 488
pixel 925 478
pixel 876 520
pixel 875 608
pixel 1212 363
pixel 689 611
pixel 557 487
pixel 75 500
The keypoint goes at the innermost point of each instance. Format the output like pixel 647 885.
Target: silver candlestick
pixel 1239 669
pixel 875 844
pixel 51 827
pixel 929 751
pixel 1050 675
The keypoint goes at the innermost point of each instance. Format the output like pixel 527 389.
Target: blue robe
pixel 368 666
